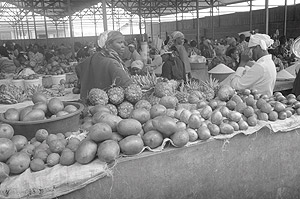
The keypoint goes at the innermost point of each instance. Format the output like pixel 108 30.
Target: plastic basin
pixel 63 124
pixel 32 82
pixel 56 78
pixel 18 82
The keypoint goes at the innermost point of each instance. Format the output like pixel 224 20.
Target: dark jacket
pixel 173 68
pixel 99 71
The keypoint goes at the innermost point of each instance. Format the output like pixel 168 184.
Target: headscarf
pixel 137 64
pixel 106 38
pixel 231 41
pixel 220 49
pixel 262 40
pixel 177 34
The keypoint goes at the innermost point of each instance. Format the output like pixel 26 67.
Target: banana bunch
pixel 36 89
pixel 145 81
pixel 11 94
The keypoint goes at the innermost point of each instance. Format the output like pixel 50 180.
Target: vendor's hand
pixel 245 57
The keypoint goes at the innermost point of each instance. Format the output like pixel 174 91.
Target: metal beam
pixel 267 15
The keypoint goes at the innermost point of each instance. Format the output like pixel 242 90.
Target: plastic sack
pixel 197 59
pixel 26 72
pixel 53 181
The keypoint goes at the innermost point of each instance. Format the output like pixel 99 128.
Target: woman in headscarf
pixel 178 40
pixel 104 67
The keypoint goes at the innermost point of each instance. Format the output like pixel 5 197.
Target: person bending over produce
pixel 173 67
pixel 178 40
pixel 262 75
pixel 6 65
pixel 105 66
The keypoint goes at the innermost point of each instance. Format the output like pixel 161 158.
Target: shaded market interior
pixel 32 18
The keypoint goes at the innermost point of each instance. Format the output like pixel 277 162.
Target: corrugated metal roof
pixel 146 8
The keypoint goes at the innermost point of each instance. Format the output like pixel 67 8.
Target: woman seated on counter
pixel 104 67
pixel 260 76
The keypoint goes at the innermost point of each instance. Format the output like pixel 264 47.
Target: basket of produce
pixel 18 83
pixel 55 116
pixel 57 78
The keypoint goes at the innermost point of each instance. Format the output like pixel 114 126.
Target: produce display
pixel 42 109
pixel 123 122
pixel 31 76
pixel 11 94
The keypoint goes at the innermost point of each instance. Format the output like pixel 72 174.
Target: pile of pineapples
pixel 146 91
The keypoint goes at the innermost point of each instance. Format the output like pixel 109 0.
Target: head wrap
pixel 177 34
pixel 137 64
pixel 262 40
pixel 231 41
pixel 220 49
pixel 131 45
pixel 109 36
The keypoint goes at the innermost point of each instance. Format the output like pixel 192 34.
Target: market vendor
pixel 173 66
pixel 260 76
pixel 134 53
pixel 178 40
pixel 221 58
pixel 35 57
pixel 136 67
pixel 6 65
pixel 155 63
pixel 105 66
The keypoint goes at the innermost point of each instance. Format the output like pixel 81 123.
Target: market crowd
pixel 169 58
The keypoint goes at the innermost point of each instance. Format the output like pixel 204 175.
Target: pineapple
pixel 192 85
pixel 143 104
pixel 153 99
pixel 116 95
pixel 182 95
pixel 113 109
pixel 125 109
pixel 133 93
pixel 97 96
pixel 163 89
pixel 210 88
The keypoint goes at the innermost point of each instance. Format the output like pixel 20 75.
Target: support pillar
pixel 95 22
pixel 131 25
pixel 285 18
pixel 65 32
pixel 176 3
pixel 71 29
pixel 113 14
pixel 81 26
pixel 140 19
pixel 251 15
pixel 198 28
pixel 56 24
pixel 104 15
pixel 159 23
pixel 45 23
pixel 212 18
pixel 28 31
pixel 267 16
pixel 33 16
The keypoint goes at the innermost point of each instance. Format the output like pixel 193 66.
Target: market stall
pixel 262 165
